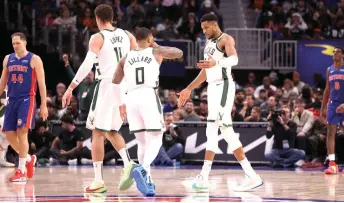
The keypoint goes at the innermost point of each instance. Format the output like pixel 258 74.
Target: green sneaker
pixel 127 180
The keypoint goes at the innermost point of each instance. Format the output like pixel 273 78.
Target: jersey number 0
pixel 140 75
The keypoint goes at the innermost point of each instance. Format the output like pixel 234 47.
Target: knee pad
pixel 212 133
pixel 231 138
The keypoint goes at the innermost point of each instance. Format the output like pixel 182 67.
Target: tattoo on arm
pixel 168 52
pixel 119 74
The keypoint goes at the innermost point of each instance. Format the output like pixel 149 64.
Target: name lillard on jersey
pixel 137 59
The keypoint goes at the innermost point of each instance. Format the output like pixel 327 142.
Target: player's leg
pixel 3 144
pixel 252 180
pixel 333 120
pixel 97 151
pixel 151 113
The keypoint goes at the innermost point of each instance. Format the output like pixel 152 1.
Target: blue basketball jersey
pixel 21 77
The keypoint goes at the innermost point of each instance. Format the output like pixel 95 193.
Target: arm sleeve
pixel 85 67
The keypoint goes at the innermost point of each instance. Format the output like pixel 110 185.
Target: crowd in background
pixel 301 19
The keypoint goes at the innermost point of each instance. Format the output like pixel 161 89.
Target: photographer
pixel 284 131
pixel 172 143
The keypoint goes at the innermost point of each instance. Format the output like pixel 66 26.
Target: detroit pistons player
pixel 220 55
pixel 21 71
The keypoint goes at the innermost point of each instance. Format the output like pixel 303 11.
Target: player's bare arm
pixel 116 80
pixel 166 52
pixel 185 93
pixel 325 97
pixel 37 64
pixel 133 44
pixel 95 44
pixel 227 44
pixel 4 75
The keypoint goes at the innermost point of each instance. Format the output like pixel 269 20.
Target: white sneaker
pixel 200 184
pixel 249 184
pixel 72 161
pixel 86 161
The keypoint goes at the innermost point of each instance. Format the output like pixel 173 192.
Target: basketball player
pixel 106 47
pixel 20 71
pixel 3 140
pixel 220 55
pixel 141 70
pixel 334 101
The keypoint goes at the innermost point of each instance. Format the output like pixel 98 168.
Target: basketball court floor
pixel 61 184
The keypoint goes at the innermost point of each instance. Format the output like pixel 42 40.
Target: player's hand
pixel 340 109
pixel 44 112
pixel 63 152
pixel 123 112
pixel 183 96
pixel 67 96
pixel 207 63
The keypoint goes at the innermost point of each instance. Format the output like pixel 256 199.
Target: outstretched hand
pixel 207 63
pixel 183 97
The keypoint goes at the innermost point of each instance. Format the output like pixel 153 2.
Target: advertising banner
pixel 252 136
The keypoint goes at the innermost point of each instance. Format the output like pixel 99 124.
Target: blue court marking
pixel 171 196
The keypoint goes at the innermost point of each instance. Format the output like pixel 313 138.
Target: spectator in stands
pixel 166 29
pixel 87 20
pixel 261 97
pixel 40 141
pixel 251 80
pixel 52 112
pixel 316 104
pixel 68 144
pixel 255 115
pixel 173 143
pixel 155 11
pixel 266 86
pixel 269 106
pixel 297 81
pixel 283 129
pixel 178 115
pixel 317 141
pixel 66 20
pixel 306 95
pixel 135 12
pixel 208 7
pixel 288 87
pixel 72 109
pixel 202 110
pixel 239 100
pixel 172 102
pixel 278 94
pixel 190 28
pixel 57 99
pixel 249 91
pixel 235 115
pixel 248 105
pixel 190 114
pixel 319 81
pixel 85 89
pixel 297 26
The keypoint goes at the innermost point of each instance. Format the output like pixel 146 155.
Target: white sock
pixel 206 168
pixel 246 166
pixel 332 157
pixel 124 155
pixel 28 158
pixel 153 144
pixel 22 163
pixel 98 171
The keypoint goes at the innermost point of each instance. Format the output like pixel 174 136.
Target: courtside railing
pixel 285 55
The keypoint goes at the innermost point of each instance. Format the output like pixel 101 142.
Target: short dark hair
pixel 142 33
pixel 104 12
pixel 67 119
pixel 338 47
pixel 209 17
pixel 300 101
pixel 20 35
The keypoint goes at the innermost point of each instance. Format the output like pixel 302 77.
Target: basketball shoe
pixel 30 166
pixel 200 184
pixel 127 180
pixel 249 183
pixel 3 161
pixel 332 168
pixel 18 176
pixel 96 187
pixel 145 186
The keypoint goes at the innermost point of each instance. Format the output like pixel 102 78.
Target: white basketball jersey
pixel 216 73
pixel 141 69
pixel 116 45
